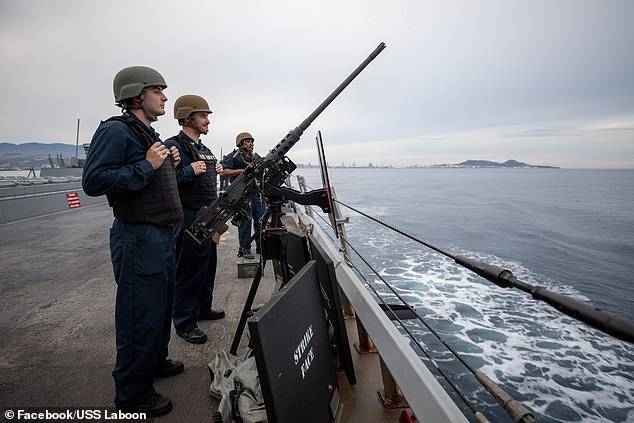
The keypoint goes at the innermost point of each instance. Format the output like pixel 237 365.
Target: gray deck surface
pixel 57 345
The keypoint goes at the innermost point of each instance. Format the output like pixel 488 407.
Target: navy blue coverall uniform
pixel 143 254
pixel 195 264
pixel 256 208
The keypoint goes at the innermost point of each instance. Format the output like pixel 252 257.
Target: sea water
pixel 571 231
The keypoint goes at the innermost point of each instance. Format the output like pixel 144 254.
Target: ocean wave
pixel 562 369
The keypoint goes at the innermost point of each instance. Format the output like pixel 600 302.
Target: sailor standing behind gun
pixel 196 264
pixel 233 165
pixel 130 165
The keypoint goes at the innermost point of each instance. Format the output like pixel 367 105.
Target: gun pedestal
pixel 274 243
pixel 274 240
pixel 276 237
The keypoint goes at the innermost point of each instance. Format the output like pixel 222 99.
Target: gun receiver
pixel 273 169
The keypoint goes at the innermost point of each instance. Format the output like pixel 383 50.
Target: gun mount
pixel 272 169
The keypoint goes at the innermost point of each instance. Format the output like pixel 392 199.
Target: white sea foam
pixel 559 367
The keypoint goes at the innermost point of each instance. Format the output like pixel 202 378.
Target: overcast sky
pixel 545 82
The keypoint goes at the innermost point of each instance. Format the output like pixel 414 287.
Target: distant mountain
pixel 479 163
pixel 488 163
pixel 35 154
pixel 515 163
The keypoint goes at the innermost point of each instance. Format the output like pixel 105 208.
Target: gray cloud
pixel 458 80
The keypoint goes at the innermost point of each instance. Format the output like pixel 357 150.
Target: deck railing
pixel 424 394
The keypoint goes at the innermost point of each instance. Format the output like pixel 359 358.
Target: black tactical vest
pixel 158 202
pixel 241 160
pixel 201 191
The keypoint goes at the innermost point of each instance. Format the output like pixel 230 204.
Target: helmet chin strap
pixel 146 112
pixel 150 117
pixel 202 130
pixel 192 123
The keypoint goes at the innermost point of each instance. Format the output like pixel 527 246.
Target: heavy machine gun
pixel 271 170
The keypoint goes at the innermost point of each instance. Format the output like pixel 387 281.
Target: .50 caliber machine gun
pixel 271 170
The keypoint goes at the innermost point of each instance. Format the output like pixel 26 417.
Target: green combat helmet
pixel 131 81
pixel 185 105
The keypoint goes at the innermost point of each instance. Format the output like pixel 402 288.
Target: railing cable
pixel 412 337
pixel 584 312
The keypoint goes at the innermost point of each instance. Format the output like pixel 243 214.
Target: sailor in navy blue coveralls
pixel 128 163
pixel 197 187
pixel 233 164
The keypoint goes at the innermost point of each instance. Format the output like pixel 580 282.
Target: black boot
pixel 211 314
pixel 156 405
pixel 169 368
pixel 195 336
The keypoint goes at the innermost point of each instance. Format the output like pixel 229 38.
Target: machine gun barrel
pixel 272 169
pixel 293 136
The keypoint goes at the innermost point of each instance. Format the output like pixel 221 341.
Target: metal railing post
pixel 340 221
pixel 301 181
pixel 365 345
pixel 390 395
pixel 348 310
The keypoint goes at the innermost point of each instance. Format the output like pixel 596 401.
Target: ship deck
pixel 57 322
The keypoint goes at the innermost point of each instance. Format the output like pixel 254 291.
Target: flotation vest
pixel 201 191
pixel 158 202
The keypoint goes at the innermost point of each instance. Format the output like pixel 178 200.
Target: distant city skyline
pixel 12 154
pixel 550 83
